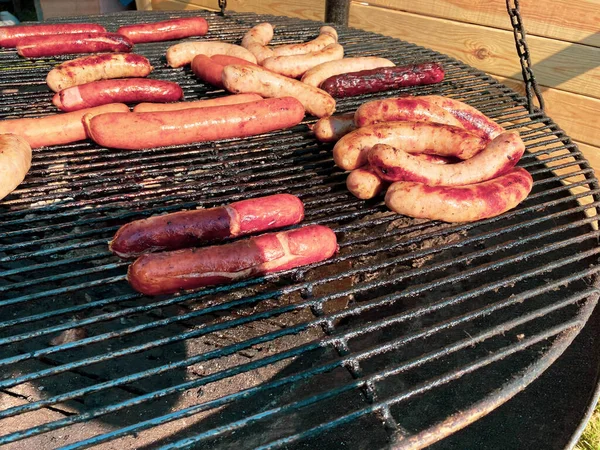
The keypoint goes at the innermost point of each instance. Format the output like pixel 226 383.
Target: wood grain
pixel 566 20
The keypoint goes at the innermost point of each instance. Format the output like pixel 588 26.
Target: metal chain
pixel 223 6
pixel 531 86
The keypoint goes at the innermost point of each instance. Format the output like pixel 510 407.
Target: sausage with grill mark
pixel 316 75
pixel 192 228
pixel 170 272
pixel 11 35
pixel 460 203
pixel 166 30
pixel 64 44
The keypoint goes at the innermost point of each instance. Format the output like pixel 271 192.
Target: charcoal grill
pixel 413 331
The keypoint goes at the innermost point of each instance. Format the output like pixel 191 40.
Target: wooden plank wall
pixel 563 36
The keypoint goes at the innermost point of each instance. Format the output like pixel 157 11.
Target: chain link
pixel 531 86
pixel 223 6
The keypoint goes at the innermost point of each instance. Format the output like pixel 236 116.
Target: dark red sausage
pixel 210 69
pixel 382 79
pixel 64 44
pixel 191 228
pixel 166 30
pixel 127 90
pixel 168 272
pixel 10 36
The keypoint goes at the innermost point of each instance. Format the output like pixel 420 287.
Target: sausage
pixel 250 79
pixel 257 39
pixel 156 129
pixel 169 272
pixel 97 67
pixel 382 79
pixel 179 55
pixel 460 203
pixel 56 129
pixel 210 69
pixel 64 44
pixel 130 90
pixel 316 75
pixel 350 152
pixel 11 35
pixel 332 128
pixel 166 30
pixel 296 65
pixel 227 100
pixel 498 157
pixel 15 162
pixel 470 118
pixel 327 36
pixel 192 228
pixel 414 109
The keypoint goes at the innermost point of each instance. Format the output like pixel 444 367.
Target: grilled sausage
pixel 250 79
pixel 11 35
pixel 193 228
pixel 382 79
pixel 56 129
pixel 498 157
pixel 327 36
pixel 332 128
pixel 156 129
pixel 460 203
pixel 130 90
pixel 257 39
pixel 228 100
pixel 413 109
pixel 169 272
pixel 296 65
pixel 351 151
pixel 179 55
pixel 64 44
pixel 210 69
pixel 15 161
pixel 97 67
pixel 316 75
pixel 166 30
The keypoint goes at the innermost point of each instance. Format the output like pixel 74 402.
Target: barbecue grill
pixel 413 331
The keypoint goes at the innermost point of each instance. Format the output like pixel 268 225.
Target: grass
pixel 590 439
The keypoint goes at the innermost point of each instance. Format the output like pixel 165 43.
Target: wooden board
pixel 570 67
pixel 567 20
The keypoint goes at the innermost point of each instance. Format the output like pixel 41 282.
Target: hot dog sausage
pixel 179 55
pixel 11 35
pixel 250 79
pixel 460 203
pixel 130 90
pixel 316 75
pixel 498 157
pixel 56 129
pixel 332 128
pixel 327 36
pixel 169 272
pixel 228 100
pixel 257 39
pixel 64 44
pixel 192 228
pixel 97 67
pixel 15 161
pixel 296 65
pixel 166 30
pixel 156 129
pixel 210 69
pixel 351 151
pixel 414 109
pixel 382 79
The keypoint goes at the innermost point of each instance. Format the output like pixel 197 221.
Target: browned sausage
pixel 64 44
pixel 192 228
pixel 327 36
pixel 11 35
pixel 15 161
pixel 316 75
pixel 498 157
pixel 210 69
pixel 296 65
pixel 227 100
pixel 332 128
pixel 156 129
pixel 130 90
pixel 169 272
pixel 460 203
pixel 350 152
pixel 166 30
